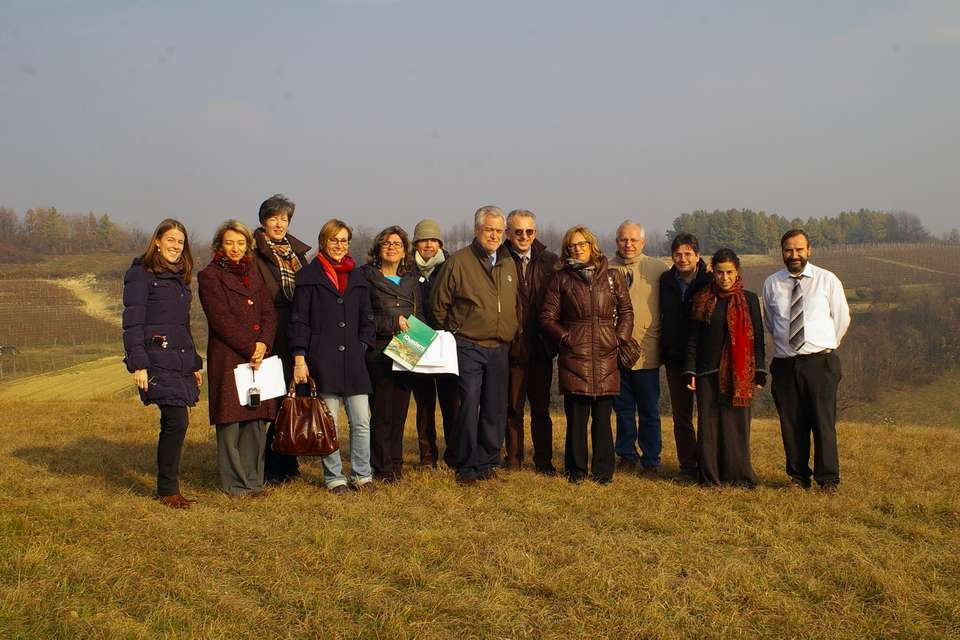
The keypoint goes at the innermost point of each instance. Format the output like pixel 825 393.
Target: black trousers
pixel 724 437
pixel 805 392
pixel 578 410
pixel 426 390
pixel 482 418
pixel 530 381
pixel 173 429
pixel 681 401
pixel 389 403
pixel 278 466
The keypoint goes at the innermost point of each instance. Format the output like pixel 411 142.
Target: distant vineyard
pixel 878 266
pixel 43 327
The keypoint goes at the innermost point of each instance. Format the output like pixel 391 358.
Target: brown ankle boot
pixel 175 501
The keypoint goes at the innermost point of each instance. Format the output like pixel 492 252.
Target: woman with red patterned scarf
pixel 242 324
pixel 331 327
pixel 725 364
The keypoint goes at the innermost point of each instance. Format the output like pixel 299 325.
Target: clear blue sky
pixel 384 111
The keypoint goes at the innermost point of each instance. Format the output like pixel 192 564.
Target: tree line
pixel 750 231
pixel 46 231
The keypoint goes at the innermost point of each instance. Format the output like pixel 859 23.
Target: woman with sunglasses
pixel 331 327
pixel 587 311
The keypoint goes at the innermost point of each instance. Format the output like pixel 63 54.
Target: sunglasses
pixel 524 232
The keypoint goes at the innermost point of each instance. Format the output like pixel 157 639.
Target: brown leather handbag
pixel 304 425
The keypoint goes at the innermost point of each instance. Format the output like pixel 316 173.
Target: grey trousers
pixel 240 456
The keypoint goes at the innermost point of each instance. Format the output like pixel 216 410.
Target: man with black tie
pixel 806 311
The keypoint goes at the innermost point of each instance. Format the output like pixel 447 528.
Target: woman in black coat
pixel 279 256
pixel 331 327
pixel 394 296
pixel 159 346
pixel 725 364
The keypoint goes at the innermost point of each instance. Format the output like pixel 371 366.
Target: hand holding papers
pixel 268 379
pixel 440 357
pixel 407 347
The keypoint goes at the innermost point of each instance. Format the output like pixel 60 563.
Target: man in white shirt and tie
pixel 806 311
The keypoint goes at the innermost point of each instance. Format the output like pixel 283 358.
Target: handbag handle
pixel 292 389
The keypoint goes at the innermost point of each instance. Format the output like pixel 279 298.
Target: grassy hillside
pixel 85 553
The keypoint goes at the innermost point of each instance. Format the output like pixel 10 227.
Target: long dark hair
pixel 373 256
pixel 151 254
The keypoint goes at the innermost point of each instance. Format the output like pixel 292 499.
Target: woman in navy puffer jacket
pixel 159 346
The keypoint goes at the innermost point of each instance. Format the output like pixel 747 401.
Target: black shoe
pixel 803 484
pixel 547 471
pixel 626 466
pixel 829 487
pixel 575 478
pixel 466 481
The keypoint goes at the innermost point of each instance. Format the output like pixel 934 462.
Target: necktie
pixel 523 267
pixel 796 315
pixel 493 260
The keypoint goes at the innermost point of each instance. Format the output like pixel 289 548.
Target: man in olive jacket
pixel 475 298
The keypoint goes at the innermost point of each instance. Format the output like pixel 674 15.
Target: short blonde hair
pixel 237 227
pixel 331 228
pixel 596 253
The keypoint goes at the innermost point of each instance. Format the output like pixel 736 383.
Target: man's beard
pixel 790 265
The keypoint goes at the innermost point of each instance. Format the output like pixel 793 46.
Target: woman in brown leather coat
pixel 587 311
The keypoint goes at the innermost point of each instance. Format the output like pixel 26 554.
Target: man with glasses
pixel 531 359
pixel 475 298
pixel 640 384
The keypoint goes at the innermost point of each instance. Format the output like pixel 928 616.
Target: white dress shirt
pixel 826 315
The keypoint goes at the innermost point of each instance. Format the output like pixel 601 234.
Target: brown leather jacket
pixel 589 321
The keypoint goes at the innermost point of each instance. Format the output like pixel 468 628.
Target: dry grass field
pixel 85 552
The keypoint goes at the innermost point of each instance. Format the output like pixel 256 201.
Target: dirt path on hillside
pixel 907 264
pixel 95 303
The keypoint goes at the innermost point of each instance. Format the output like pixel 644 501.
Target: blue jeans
pixel 482 418
pixel 358 416
pixel 639 393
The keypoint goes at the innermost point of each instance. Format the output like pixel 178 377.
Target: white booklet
pixel 268 378
pixel 440 356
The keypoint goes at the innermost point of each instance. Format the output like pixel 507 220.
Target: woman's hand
pixel 300 370
pixel 692 385
pixel 199 378
pixel 404 325
pixel 259 351
pixel 140 379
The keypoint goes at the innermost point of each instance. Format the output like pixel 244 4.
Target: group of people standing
pixel 514 307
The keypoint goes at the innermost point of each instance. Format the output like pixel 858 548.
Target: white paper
pixel 268 378
pixel 440 356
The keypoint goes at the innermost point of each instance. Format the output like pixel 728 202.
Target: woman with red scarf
pixel 242 323
pixel 331 328
pixel 725 364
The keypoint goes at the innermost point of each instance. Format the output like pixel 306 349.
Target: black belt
pixel 813 355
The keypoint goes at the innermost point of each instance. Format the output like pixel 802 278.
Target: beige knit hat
pixel 427 229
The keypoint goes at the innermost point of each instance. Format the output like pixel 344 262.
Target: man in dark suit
pixel 531 360
pixel 678 285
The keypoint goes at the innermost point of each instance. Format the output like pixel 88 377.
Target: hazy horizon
pixel 388 111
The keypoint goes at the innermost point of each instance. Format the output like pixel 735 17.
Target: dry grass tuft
pixel 84 552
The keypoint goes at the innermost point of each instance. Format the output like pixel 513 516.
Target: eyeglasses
pixel 524 232
pixel 627 241
pixel 392 245
pixel 341 241
pixel 578 246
